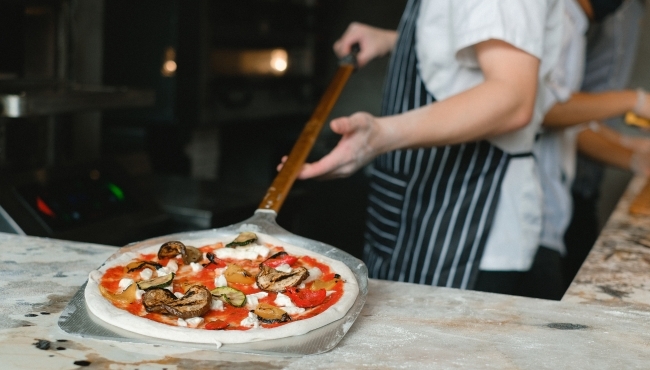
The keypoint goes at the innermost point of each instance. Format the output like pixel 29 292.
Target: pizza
pixel 236 288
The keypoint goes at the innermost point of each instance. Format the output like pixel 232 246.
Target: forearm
pixel 503 102
pixel 602 148
pixel 584 107
pixel 487 110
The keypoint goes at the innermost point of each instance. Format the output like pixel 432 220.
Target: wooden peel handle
pixel 277 193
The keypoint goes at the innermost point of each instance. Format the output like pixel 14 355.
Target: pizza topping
pixel 214 263
pixel 285 302
pixel 272 280
pixel 270 314
pixel 172 266
pixel 252 300
pixel 125 283
pixel 191 255
pixel 172 249
pixel 220 281
pixel 127 296
pixel 217 305
pixel 196 302
pixel 153 299
pixel 284 268
pixel 280 258
pixel 146 274
pixel 230 295
pixel 251 252
pixel 139 265
pixel 314 274
pixel 216 325
pixel 321 284
pixel 237 274
pixel 251 321
pixel 196 267
pixel 306 298
pixel 159 282
pixel 194 321
pixel 182 323
pixel 244 238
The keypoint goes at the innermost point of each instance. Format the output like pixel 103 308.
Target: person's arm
pixel 502 103
pixel 605 145
pixel 584 107
pixel 373 42
pixel 600 147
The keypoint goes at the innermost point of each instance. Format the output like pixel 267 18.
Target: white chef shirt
pixel 556 149
pixel 448 68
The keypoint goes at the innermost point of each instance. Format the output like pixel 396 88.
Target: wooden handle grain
pixel 277 192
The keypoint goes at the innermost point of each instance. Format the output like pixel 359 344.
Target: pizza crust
pixel 112 315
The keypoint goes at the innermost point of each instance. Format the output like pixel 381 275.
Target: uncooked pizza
pixel 235 288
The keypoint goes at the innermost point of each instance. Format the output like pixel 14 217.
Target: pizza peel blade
pixel 76 319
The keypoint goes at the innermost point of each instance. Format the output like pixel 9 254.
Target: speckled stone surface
pixel 617 271
pixel 603 321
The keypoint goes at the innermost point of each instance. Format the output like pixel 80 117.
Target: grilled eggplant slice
pixel 244 238
pixel 174 248
pixel 159 282
pixel 196 302
pixel 154 299
pixel 272 280
pixel 171 250
pixel 139 265
pixel 269 314
pixel 191 255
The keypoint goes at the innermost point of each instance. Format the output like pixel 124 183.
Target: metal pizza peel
pixel 78 320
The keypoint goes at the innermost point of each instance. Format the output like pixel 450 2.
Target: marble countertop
pixel 617 270
pixel 602 322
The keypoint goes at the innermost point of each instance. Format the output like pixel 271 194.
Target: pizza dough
pixel 107 312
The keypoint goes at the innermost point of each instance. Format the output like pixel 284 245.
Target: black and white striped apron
pixel 430 210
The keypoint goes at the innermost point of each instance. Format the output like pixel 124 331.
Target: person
pixel 453 186
pixel 611 51
pixel 564 129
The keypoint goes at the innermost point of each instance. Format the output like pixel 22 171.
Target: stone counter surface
pixel 603 322
pixel 617 271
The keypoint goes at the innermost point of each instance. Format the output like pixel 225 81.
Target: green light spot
pixel 119 194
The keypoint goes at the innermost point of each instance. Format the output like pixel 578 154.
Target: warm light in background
pixel 279 58
pixel 169 67
pixel 169 63
pixel 250 62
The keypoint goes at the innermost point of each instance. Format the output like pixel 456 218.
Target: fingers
pixel 371 40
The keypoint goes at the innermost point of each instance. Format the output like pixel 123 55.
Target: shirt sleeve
pixel 520 23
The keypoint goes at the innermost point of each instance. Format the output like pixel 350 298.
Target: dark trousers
pixel 543 280
pixel 580 236
pixel 545 277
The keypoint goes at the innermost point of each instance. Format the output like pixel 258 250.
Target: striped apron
pixel 430 210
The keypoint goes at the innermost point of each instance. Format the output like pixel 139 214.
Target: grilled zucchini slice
pixel 230 295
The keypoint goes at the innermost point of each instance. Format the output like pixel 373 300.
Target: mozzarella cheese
pixel 243 253
pixel 251 321
pixel 220 281
pixel 172 266
pixel 125 283
pixel 146 274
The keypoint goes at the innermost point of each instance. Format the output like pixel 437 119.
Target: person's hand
pixel 373 42
pixel 357 147
pixel 642 106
